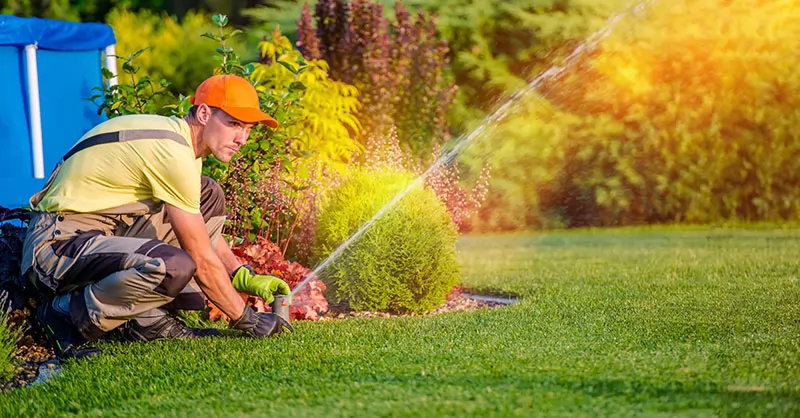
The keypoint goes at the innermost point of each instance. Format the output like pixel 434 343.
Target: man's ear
pixel 203 113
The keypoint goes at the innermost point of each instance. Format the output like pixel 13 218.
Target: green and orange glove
pixel 247 281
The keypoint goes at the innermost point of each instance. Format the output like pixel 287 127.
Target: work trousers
pixel 119 266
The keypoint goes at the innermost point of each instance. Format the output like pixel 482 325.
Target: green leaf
pixel 107 73
pixel 128 68
pixel 297 86
pixel 211 36
pixel 220 20
pixel 288 66
pixel 137 53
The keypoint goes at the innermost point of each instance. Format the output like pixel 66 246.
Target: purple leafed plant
pixel 399 67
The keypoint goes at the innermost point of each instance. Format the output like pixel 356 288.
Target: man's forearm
pixel 215 282
pixel 228 258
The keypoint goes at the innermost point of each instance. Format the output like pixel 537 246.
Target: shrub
pixel 384 152
pixel 8 339
pixel 267 258
pixel 498 45
pixel 53 9
pixel 273 183
pixel 399 67
pixel 405 261
pixel 178 52
pixel 138 95
pixel 685 113
pixel 12 234
pixel 326 113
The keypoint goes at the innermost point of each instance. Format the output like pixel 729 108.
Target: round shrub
pixel 405 262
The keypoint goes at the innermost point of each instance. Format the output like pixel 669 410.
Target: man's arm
pixel 227 256
pixel 212 275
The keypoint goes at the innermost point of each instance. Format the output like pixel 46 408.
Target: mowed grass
pixel 630 322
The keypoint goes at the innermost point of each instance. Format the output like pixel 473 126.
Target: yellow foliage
pixel 326 118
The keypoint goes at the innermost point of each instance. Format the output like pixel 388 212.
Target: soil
pixel 33 351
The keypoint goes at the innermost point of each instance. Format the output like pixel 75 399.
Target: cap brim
pixel 251 115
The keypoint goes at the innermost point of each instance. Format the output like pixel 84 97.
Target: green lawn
pixel 668 321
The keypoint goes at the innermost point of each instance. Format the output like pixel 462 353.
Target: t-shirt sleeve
pixel 175 179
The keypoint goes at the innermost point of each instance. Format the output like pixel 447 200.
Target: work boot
pixel 62 334
pixel 165 327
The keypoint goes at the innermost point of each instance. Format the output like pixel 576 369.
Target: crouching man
pixel 126 231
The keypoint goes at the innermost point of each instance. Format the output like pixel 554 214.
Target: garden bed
pixel 457 301
pixel 32 351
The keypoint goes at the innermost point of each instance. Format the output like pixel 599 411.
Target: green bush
pixel 8 340
pixel 497 45
pixel 405 262
pixel 685 113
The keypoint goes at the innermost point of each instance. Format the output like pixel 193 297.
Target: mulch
pixel 32 351
pixel 456 302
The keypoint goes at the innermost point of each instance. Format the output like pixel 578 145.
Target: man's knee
pixel 212 199
pixel 180 268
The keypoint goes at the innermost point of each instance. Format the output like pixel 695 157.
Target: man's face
pixel 225 134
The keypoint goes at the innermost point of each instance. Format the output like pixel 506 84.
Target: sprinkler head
pixel 280 306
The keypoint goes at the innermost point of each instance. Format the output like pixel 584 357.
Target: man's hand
pixel 245 280
pixel 260 324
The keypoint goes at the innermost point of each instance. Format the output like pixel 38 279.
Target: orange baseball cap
pixel 235 95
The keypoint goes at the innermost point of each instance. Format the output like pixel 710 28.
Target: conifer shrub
pixel 404 262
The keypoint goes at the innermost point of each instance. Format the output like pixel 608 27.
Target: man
pixel 126 231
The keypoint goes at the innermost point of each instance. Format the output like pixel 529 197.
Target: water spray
pixel 462 141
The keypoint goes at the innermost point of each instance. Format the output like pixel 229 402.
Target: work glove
pixel 260 324
pixel 247 281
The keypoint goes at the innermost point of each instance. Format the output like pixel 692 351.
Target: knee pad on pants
pixel 180 268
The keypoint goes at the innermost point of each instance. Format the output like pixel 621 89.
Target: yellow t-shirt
pixel 150 162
